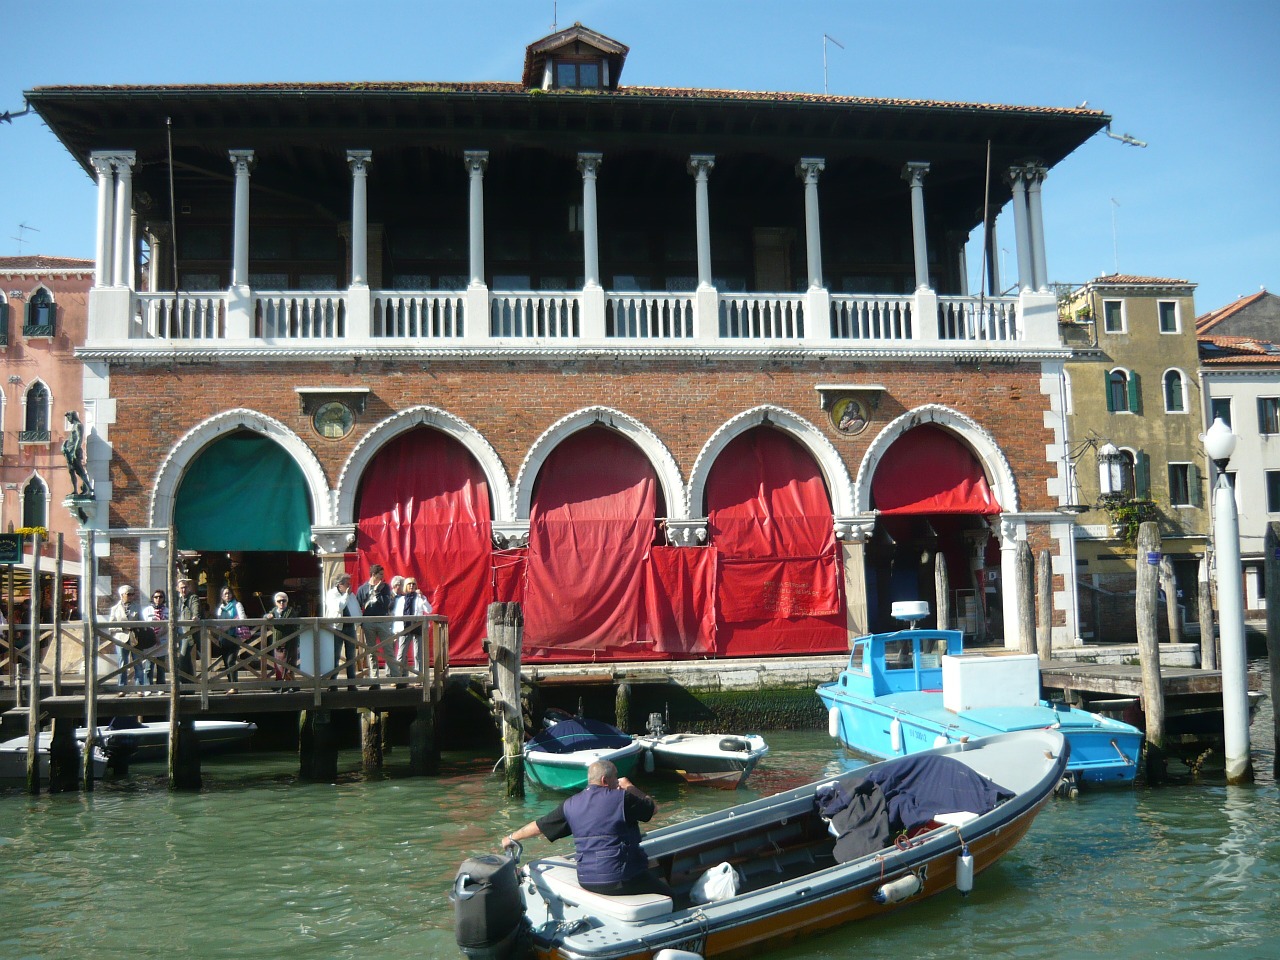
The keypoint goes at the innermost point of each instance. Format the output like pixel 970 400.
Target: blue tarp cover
pixel 579 734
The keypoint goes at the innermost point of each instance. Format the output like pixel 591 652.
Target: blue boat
pixel 914 689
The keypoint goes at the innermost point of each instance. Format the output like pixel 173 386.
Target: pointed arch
pixel 422 416
pixel 664 464
pixel 35 501
pixel 984 446
pixel 37 411
pixel 834 472
pixel 194 441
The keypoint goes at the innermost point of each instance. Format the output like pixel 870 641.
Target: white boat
pixel 13 759
pixel 149 740
pixel 716 759
pixel 867 843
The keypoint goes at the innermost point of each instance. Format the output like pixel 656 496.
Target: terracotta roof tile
pixel 1207 321
pixel 1132 280
pixel 40 262
pixel 1218 350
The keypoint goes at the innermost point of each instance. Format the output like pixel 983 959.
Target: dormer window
pixel 578 75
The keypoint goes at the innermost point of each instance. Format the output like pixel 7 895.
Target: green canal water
pixel 260 865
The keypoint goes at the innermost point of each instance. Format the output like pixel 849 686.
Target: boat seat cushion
pixel 559 877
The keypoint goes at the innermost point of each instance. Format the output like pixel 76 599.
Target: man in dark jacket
pixel 375 600
pixel 604 821
pixel 188 605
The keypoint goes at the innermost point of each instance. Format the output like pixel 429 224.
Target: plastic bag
pixel 719 883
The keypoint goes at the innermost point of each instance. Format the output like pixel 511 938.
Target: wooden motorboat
pixel 918 826
pixel 912 690
pixel 716 759
pixel 13 759
pixel 149 740
pixel 557 757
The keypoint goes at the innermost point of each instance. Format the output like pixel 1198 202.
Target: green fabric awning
pixel 243 493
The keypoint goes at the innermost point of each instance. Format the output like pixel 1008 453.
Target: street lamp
pixel 1110 472
pixel 1219 444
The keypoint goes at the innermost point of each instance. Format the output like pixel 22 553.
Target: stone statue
pixel 73 450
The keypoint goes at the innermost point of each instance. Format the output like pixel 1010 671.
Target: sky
pixel 1199 82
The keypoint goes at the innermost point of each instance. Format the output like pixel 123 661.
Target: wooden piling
pixel 64 756
pixel 1169 584
pixel 1044 607
pixel 89 613
pixel 55 610
pixel 33 658
pixel 317 746
pixel 1204 600
pixel 506 642
pixel 184 755
pixel 370 739
pixel 424 747
pixel 1025 586
pixel 1271 553
pixel 1147 610
pixel 942 591
pixel 622 707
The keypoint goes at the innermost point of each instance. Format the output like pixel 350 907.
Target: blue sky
pixel 1198 81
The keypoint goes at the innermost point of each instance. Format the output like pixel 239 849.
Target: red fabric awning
pixel 930 470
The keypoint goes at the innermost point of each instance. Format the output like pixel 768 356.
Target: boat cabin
pixel 901 661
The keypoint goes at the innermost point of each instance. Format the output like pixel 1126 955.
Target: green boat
pixel 558 757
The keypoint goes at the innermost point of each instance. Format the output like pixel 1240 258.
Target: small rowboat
pixel 557 758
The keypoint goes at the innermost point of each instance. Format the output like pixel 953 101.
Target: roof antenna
pixel 22 227
pixel 825 38
pixel 1115 244
pixel 1128 138
pixel 555 15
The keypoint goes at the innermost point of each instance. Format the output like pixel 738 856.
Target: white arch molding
pixel 660 458
pixel 195 440
pixel 810 437
pixel 404 421
pixel 983 444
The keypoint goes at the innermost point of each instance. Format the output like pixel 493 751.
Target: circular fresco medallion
pixel 849 416
pixel 333 420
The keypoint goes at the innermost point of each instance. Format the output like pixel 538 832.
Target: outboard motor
pixel 488 916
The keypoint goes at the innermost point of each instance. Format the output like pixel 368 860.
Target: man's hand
pixel 626 784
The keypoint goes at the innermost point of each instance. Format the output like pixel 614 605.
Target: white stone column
pixel 589 164
pixel 700 166
pixel 1039 265
pixel 477 161
pixel 242 163
pixel 159 236
pixel 1011 531
pixel 131 279
pixel 1015 177
pixel 123 218
pixel 914 173
pixel 808 170
pixel 593 307
pixel 358 161
pixel 102 259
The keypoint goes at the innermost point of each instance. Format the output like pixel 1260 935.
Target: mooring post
pixel 1271 550
pixel 1146 612
pixel 1025 587
pixel 1204 600
pixel 506 642
pixel 184 756
pixel 89 618
pixel 55 604
pixel 424 749
pixel 64 758
pixel 317 748
pixel 1044 607
pixel 622 707
pixel 370 739
pixel 33 658
pixel 942 591
pixel 1169 584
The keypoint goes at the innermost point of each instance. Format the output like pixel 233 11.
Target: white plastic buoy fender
pixel 672 954
pixel 898 890
pixel 895 735
pixel 833 723
pixel 648 761
pixel 940 740
pixel 964 870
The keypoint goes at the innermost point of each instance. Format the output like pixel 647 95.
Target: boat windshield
pixel 898 655
pixel 932 650
pixel 858 657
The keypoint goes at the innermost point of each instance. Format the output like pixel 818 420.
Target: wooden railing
pixel 299 654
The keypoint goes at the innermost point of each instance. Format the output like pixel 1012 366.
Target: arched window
pixel 35 504
pixel 41 315
pixel 1175 392
pixel 35 427
pixel 4 321
pixel 1124 391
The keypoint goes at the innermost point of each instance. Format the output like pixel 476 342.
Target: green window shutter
pixel 1142 477
pixel 1195 483
pixel 4 323
pixel 1135 393
pixel 1106 388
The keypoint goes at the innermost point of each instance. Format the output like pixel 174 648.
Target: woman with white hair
pixel 127 640
pixel 340 601
pixel 284 637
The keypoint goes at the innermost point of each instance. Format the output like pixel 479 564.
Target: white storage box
pixel 971 681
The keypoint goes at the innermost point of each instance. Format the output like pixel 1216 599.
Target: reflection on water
pixel 260 865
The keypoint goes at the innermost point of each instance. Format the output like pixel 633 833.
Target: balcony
pixel 124 322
